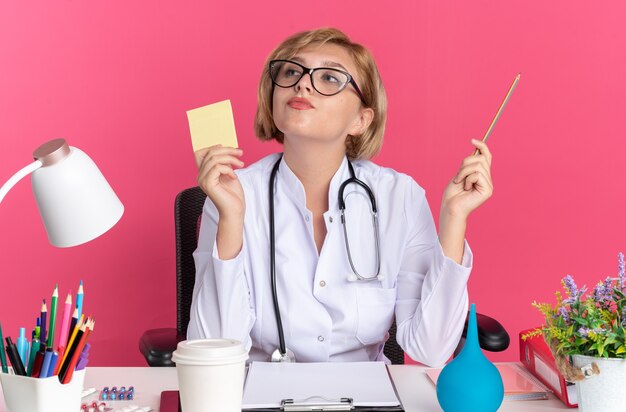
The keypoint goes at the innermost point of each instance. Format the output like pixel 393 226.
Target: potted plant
pixel 587 335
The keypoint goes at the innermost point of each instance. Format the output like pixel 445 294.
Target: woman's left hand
pixel 471 186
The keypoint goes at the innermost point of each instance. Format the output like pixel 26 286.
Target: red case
pixel 536 356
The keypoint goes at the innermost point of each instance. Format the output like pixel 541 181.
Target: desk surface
pixel 415 389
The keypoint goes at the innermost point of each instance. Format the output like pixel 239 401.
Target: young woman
pixel 280 267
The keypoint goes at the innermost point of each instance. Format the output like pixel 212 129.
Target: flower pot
pixel 605 391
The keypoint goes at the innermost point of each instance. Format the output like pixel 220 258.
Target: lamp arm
pixel 22 173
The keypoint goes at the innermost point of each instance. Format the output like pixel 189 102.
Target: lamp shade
pixel 75 201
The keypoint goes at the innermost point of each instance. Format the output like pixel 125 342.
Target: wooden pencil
pixel 79 349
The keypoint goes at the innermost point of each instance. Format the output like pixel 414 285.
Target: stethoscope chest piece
pixel 287 357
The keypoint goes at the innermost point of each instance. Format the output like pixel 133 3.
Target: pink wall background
pixel 115 79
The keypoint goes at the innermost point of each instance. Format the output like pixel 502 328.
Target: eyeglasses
pixel 325 80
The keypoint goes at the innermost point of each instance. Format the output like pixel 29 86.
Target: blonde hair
pixel 362 146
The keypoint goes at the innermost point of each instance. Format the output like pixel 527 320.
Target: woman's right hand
pixel 218 180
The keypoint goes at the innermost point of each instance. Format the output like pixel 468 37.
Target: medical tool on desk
pixel 283 354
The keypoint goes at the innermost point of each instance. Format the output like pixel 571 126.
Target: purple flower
pixel 584 332
pixel 572 290
pixel 564 314
pixel 569 283
pixel 620 269
pixel 599 293
pixel 603 292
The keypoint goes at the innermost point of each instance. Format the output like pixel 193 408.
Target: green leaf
pixel 580 342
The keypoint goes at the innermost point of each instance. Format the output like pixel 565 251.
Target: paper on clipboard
pixel 367 383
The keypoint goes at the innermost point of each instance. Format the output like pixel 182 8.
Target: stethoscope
pixel 282 353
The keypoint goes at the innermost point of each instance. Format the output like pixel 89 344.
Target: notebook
pixel 519 384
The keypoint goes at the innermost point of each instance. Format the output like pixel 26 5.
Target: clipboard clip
pixel 320 404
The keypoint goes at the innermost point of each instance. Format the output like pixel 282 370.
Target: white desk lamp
pixel 75 201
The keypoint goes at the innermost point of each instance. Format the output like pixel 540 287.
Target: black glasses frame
pixel 309 71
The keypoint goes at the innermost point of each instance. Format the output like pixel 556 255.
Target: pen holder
pixel 26 394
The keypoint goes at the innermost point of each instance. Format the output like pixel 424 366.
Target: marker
pixel 53 363
pixel 14 357
pixel 495 119
pixel 22 346
pixel 65 323
pixel 38 360
pixel 46 363
pixel 38 329
pixel 44 316
pixel 84 358
pixel 53 315
pixel 3 356
pixel 34 348
pixel 79 299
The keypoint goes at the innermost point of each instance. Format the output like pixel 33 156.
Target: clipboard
pixel 304 387
pixel 323 386
pixel 170 402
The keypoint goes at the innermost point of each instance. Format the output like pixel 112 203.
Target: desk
pixel 415 389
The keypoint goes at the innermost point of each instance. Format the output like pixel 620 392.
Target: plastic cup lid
pixel 209 352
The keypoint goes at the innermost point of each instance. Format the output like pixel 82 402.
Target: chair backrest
pixel 187 211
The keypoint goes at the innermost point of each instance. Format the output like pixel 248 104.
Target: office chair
pixel 157 345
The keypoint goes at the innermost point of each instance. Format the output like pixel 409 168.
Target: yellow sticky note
pixel 211 125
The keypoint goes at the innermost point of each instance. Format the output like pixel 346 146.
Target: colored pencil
pixel 53 317
pixel 59 360
pixel 62 348
pixel 65 322
pixel 72 326
pixel 3 356
pixel 79 299
pixel 72 343
pixel 497 116
pixel 44 316
pixel 69 353
pixel 72 365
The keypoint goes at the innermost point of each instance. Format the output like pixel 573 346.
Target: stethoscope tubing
pixel 279 324
pixel 284 353
pixel 342 207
